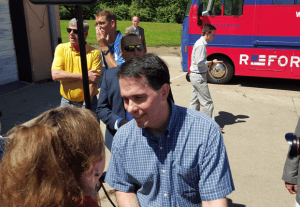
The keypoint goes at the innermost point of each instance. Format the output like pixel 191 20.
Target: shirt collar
pixel 203 40
pixel 87 47
pixel 118 38
pixel 172 118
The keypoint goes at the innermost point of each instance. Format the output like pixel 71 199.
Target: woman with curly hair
pixel 56 161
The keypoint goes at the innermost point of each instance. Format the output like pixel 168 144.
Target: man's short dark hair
pixel 123 39
pixel 208 28
pixel 151 66
pixel 108 14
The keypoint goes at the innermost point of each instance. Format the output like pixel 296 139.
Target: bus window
pixel 205 4
pixel 212 7
pixel 217 8
pixel 298 2
pixel 187 12
pixel 284 2
pixel 233 7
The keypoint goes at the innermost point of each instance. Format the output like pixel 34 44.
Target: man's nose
pixel 138 53
pixel 131 107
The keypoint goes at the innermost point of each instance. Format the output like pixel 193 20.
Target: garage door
pixel 8 65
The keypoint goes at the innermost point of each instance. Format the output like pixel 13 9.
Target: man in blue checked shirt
pixel 168 155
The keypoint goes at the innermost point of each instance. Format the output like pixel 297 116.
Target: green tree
pixel 88 11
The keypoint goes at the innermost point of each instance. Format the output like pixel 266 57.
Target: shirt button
pixel 163 171
pixel 168 135
pixel 165 195
pixel 161 148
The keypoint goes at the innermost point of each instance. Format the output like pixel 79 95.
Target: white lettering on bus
pixel 282 64
pixel 271 59
pixel 244 58
pixel 260 60
pixel 297 14
pixel 296 62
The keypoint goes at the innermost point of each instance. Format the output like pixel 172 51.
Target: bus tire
pixel 222 72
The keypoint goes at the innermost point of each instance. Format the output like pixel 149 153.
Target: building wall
pixel 8 65
pixel 39 39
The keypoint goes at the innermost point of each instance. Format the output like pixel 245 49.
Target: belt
pixel 201 73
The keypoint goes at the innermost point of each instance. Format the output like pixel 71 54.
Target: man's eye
pixel 139 98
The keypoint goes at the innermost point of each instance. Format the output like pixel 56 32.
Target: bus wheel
pixel 222 72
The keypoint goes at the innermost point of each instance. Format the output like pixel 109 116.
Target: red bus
pixel 258 38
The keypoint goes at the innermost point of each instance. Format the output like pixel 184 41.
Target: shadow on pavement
pixel 24 103
pixel 225 118
pixel 267 83
pixel 230 204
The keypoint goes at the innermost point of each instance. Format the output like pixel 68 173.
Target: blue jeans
pixel 65 102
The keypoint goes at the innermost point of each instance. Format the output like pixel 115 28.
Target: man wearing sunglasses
pixel 110 108
pixel 66 68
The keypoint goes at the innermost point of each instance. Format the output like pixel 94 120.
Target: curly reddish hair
pixel 44 161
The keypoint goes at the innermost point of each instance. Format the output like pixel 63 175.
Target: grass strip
pixel 156 34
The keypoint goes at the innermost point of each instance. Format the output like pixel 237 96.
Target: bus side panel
pixel 282 21
pixel 263 62
pixel 278 25
pixel 185 40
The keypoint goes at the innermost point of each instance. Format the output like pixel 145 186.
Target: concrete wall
pixel 39 39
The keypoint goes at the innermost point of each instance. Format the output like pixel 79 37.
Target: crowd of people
pixel 161 154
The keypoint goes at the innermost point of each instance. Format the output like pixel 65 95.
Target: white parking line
pixel 178 76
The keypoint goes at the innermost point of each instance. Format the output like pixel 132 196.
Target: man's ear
pixel 113 23
pixel 121 53
pixel 165 89
pixel 85 35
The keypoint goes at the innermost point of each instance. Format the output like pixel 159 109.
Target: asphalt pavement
pixel 255 116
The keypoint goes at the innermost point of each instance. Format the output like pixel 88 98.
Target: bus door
pixel 229 19
pixel 234 22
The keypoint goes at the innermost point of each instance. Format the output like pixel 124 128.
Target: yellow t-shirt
pixel 66 58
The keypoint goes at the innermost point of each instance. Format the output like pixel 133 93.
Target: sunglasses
pixel 74 30
pixel 131 48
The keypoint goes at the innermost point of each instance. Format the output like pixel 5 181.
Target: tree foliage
pixel 147 10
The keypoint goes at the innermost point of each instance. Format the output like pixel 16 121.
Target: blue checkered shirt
pixel 187 164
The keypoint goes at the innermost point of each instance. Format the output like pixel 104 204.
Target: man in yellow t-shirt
pixel 66 68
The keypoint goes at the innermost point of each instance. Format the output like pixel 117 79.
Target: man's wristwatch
pixel 105 52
